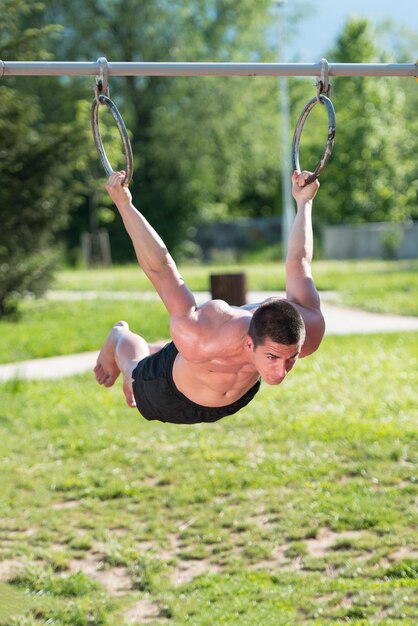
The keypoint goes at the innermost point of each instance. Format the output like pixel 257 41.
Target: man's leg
pixel 121 352
pixel 157 346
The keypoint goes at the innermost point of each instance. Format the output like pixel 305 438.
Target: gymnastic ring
pixel 104 100
pixel 330 141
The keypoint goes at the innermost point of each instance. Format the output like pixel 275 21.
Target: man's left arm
pixel 300 287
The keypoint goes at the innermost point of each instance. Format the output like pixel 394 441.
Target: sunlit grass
pixel 382 286
pixel 46 328
pixel 300 509
pixel 52 328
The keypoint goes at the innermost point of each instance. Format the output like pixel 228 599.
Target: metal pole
pixel 288 212
pixel 61 68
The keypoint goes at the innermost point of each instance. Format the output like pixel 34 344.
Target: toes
pixel 99 374
pixel 130 400
pixel 127 390
pixel 102 377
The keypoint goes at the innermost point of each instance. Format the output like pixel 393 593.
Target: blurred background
pixel 211 154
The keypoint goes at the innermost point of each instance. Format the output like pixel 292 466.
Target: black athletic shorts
pixel 157 397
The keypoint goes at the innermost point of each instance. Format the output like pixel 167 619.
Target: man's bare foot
pixel 106 369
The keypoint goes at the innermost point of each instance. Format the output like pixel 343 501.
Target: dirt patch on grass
pixel 316 548
pixel 115 580
pixel 143 612
pixel 277 559
pixel 67 504
pixel 404 552
pixel 326 539
pixel 9 568
pixel 169 553
pixel 146 546
pixel 185 571
pixel 263 520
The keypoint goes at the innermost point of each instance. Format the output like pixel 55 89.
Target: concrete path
pixel 339 321
pixel 53 367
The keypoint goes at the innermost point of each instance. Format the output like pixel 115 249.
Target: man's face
pixel 274 361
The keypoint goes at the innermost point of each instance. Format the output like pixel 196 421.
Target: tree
pixel 210 145
pixel 366 178
pixel 196 141
pixel 33 155
pixel 405 40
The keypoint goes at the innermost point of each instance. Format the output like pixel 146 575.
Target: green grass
pixel 382 286
pixel 46 328
pixel 12 602
pixel 301 509
pixel 54 328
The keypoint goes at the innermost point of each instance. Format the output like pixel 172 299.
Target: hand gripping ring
pixel 122 131
pixel 330 141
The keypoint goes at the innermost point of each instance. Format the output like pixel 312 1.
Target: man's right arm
pixel 151 252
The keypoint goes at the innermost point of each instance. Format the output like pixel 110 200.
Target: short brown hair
pixel 279 321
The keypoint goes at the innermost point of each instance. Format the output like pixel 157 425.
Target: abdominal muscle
pixel 211 383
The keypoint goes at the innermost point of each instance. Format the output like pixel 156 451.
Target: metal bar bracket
pixel 322 84
pixel 102 83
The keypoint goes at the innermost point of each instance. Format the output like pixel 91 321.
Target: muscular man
pixel 218 353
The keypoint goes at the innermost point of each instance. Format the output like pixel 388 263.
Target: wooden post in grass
pixel 229 287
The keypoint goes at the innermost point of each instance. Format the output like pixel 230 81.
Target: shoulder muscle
pixel 200 336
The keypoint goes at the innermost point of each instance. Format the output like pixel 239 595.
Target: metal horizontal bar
pixel 61 68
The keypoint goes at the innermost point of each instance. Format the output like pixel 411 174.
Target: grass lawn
pixel 382 286
pixel 46 328
pixel 53 328
pixel 299 510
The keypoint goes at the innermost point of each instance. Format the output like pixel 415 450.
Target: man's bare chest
pixel 221 375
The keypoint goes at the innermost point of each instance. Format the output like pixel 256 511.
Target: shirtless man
pixel 218 353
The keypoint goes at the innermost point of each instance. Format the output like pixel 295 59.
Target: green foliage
pixel 296 549
pixel 368 177
pixel 33 155
pixel 46 581
pixel 200 144
pixel 408 568
pixel 197 141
